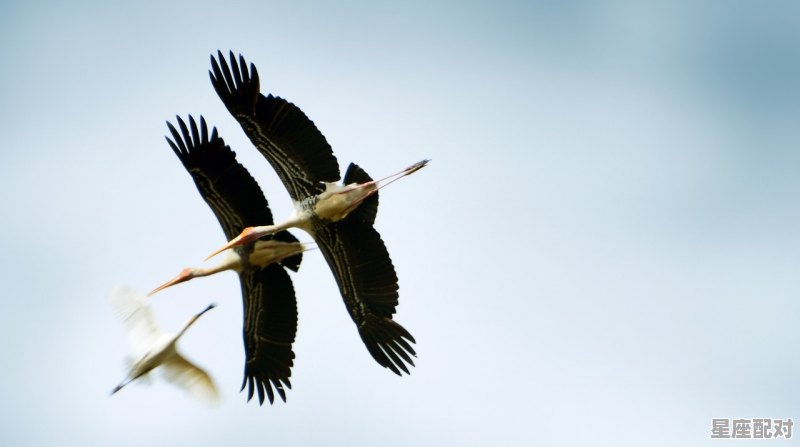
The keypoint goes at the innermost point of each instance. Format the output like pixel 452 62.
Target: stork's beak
pixel 245 237
pixel 183 276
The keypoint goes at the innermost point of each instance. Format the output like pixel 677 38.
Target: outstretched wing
pixel 368 208
pixel 270 326
pixel 191 378
pixel 225 185
pixel 290 141
pixel 368 284
pixel 131 307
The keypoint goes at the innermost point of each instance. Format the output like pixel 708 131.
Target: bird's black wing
pixel 368 284
pixel 270 308
pixel 288 139
pixel 368 208
pixel 270 326
pixel 225 185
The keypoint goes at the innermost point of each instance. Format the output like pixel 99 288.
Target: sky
pixel 602 251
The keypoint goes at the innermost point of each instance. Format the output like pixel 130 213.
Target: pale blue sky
pixel 603 251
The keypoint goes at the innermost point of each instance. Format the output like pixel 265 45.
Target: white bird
pixel 155 348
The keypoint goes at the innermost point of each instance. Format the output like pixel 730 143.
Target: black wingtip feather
pixel 237 88
pixel 384 339
pixel 265 389
pixel 260 389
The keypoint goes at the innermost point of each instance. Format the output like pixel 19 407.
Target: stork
pixel 156 348
pixel 270 307
pixel 340 218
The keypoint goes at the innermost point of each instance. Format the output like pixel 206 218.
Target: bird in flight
pixel 155 348
pixel 340 218
pixel 270 307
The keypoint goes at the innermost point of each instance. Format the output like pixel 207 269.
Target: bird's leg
pixel 394 177
pixel 381 183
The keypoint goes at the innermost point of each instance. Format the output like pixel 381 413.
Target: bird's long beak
pixel 245 237
pixel 184 275
pixel 210 306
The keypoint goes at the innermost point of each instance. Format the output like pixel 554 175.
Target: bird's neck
pixel 230 260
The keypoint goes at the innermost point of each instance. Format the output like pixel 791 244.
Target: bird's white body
pixel 162 350
pixel 338 200
pixel 264 253
pixel 155 348
pixel 332 205
pixel 271 251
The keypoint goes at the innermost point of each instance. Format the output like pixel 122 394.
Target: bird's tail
pixel 368 207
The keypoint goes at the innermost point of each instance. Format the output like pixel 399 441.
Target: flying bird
pixel 270 307
pixel 155 348
pixel 340 218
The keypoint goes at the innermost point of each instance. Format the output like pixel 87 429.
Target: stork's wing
pixel 368 208
pixel 143 332
pixel 184 374
pixel 270 326
pixel 368 284
pixel 226 186
pixel 290 141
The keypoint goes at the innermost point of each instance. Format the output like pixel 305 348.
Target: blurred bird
pixel 270 307
pixel 340 218
pixel 155 348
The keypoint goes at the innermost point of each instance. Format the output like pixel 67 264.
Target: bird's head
pixel 248 235
pixel 185 275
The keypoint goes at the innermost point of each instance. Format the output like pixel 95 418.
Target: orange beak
pixel 183 276
pixel 247 236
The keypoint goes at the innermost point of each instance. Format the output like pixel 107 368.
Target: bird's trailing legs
pixel 380 183
pixel 251 234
